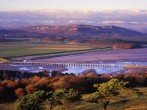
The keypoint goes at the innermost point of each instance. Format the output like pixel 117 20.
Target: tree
pixel 106 91
pixel 32 101
pixel 19 92
pixel 61 83
pixel 64 97
pixel 2 91
pixel 31 88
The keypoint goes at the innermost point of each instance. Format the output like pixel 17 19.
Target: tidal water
pixel 77 70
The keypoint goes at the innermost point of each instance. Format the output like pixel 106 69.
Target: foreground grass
pixel 7 106
pixel 118 103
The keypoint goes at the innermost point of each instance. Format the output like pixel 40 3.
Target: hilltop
pixel 71 30
pixel 76 34
pixel 82 30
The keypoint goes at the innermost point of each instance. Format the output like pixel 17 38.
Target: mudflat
pixel 128 55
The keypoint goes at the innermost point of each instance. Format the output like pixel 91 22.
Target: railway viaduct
pixel 88 65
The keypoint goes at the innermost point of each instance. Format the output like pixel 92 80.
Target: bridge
pixel 88 65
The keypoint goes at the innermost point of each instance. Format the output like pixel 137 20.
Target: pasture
pixel 36 47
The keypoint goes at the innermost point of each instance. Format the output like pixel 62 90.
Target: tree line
pixel 61 89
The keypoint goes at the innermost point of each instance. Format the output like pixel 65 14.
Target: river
pixel 124 56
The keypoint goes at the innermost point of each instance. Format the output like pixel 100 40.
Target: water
pixel 77 70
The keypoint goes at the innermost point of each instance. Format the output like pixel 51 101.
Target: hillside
pixel 76 34
pixel 76 31
pixel 83 30
pixel 18 33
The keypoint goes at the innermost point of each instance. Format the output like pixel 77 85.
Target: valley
pixel 73 44
pixel 73 55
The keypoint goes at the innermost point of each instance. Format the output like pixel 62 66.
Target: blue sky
pixel 96 5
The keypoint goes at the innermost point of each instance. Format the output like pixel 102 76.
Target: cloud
pixel 134 19
pixel 113 22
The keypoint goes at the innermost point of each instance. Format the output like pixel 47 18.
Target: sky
pixel 94 5
pixel 124 13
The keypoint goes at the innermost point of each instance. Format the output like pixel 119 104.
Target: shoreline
pixel 102 55
pixel 124 55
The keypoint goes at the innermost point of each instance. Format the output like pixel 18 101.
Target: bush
pixel 32 101
pixel 19 92
pixel 64 97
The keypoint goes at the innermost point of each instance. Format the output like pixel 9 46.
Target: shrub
pixel 32 101
pixel 31 89
pixel 64 97
pixel 19 92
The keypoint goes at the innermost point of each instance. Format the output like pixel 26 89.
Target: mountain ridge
pixel 73 31
pixel 85 30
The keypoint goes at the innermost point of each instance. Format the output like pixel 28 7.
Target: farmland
pixel 19 47
pixel 36 47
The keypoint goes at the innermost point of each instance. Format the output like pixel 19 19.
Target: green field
pixel 17 47
pixel 119 103
pixel 36 47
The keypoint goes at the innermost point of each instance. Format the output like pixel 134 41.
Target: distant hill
pixel 76 34
pixel 18 33
pixel 82 30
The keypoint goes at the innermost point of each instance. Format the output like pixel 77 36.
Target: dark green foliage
pixel 35 101
pixel 32 101
pixel 63 96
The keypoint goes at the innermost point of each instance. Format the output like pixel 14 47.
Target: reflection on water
pixel 77 70
pixel 31 68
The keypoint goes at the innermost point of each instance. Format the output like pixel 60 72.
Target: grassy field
pixel 16 47
pixel 119 103
pixel 3 60
pixel 33 47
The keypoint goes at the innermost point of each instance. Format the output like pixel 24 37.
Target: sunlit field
pixel 118 103
pixel 35 47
